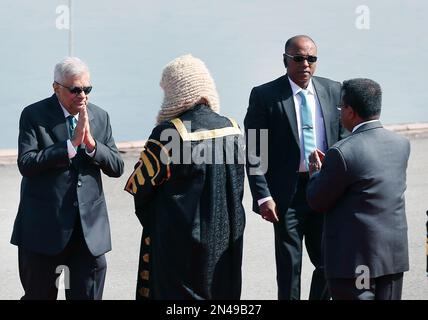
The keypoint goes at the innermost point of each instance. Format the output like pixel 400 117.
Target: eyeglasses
pixel 76 90
pixel 300 58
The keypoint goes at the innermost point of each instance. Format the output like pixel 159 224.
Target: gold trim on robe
pixel 206 134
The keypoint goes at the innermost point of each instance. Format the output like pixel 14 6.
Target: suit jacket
pixel 56 191
pixel 272 107
pixel 361 188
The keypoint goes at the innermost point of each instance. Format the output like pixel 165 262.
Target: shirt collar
pixel 363 123
pixel 296 89
pixel 66 113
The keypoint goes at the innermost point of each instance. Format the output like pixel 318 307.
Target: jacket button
pixel 79 183
pixel 76 204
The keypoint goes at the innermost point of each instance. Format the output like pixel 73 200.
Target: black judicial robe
pixel 188 189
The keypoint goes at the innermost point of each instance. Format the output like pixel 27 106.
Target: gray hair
pixel 69 67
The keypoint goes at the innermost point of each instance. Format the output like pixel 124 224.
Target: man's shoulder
pixel 378 133
pixel 342 144
pixel 271 84
pixel 39 105
pixel 326 82
pixel 283 80
pixel 95 107
pixel 399 140
pixel 358 145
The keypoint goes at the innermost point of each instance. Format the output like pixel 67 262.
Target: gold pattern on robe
pixel 149 166
pixel 166 154
pixel 146 258
pixel 144 292
pixel 144 275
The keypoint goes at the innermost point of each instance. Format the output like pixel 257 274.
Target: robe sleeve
pixel 151 171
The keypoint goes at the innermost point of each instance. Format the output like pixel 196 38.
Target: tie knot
pixel 302 95
pixel 72 121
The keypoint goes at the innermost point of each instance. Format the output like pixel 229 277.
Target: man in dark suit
pixel 299 114
pixel 361 189
pixel 62 221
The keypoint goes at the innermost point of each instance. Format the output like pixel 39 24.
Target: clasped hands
pixel 82 133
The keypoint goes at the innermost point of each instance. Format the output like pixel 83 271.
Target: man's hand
pixel 268 211
pixel 88 140
pixel 79 132
pixel 315 161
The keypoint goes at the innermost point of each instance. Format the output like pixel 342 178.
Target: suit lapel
pixel 326 109
pixel 90 114
pixel 287 103
pixel 57 122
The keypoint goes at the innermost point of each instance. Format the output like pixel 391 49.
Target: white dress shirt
pixel 317 120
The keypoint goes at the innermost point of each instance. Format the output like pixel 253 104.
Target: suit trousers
pixel 84 274
pixel 296 223
pixel 387 287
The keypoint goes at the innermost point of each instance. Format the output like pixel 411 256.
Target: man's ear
pixel 284 58
pixel 352 114
pixel 55 87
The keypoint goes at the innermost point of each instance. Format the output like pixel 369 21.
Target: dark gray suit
pixel 272 107
pixel 62 197
pixel 361 188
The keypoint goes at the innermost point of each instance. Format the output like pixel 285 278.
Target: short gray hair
pixel 69 67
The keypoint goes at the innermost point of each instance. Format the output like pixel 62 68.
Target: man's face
pixel 301 72
pixel 73 102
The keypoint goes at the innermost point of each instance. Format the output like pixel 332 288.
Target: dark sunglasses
pixel 300 58
pixel 77 90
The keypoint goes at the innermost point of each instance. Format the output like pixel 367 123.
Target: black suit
pixel 361 188
pixel 62 202
pixel 272 107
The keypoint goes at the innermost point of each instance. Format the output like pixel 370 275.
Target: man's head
pixel 361 101
pixel 186 81
pixel 300 59
pixel 72 84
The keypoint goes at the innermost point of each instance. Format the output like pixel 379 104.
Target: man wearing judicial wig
pixel 188 189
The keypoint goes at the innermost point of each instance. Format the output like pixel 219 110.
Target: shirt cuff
pixel 91 154
pixel 263 200
pixel 71 149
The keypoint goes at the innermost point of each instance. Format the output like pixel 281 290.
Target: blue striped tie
pixel 72 123
pixel 307 128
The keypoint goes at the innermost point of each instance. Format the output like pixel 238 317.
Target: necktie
pixel 307 128
pixel 72 123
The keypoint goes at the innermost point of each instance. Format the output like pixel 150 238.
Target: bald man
pixel 300 114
